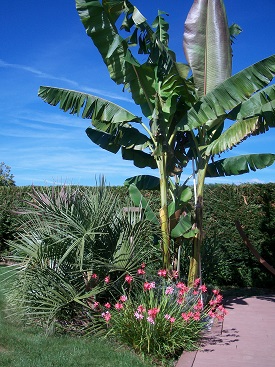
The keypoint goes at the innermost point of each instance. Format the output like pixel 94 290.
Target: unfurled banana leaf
pixel 112 141
pixel 139 201
pixel 255 116
pixel 260 103
pixel 239 165
pixel 139 158
pixel 143 182
pixel 184 228
pixel 229 94
pixel 89 106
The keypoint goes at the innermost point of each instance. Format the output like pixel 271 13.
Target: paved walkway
pixel 245 339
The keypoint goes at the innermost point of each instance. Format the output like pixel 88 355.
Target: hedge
pixel 225 258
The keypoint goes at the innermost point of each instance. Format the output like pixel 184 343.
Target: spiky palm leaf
pixel 66 235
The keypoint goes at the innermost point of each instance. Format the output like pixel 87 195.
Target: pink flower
pixel 196 316
pixel 96 305
pixel 141 271
pixel 212 314
pixel 147 286
pixel 107 305
pixel 107 279
pixel 220 313
pixel 94 276
pixel 107 316
pixel 185 316
pixel 212 302
pixel 219 298
pixel 167 317
pixel 175 274
pixel 151 320
pixel 128 278
pixel 162 273
pixel 180 300
pixel 222 309
pixel 195 293
pixel 216 292
pixel 172 320
pixel 118 306
pixel 141 309
pixel 203 288
pixel 169 290
pixel 143 265
pixel 138 316
pixel 123 298
pixel 153 312
pixel 199 305
pixel 196 282
pixel 182 288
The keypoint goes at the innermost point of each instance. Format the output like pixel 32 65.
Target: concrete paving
pixel 246 338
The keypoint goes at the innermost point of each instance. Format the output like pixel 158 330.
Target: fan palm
pixel 66 236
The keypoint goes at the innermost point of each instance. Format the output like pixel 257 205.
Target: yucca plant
pixel 68 239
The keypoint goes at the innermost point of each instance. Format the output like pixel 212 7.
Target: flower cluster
pixel 164 306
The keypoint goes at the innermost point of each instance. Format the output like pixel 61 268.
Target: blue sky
pixel 44 43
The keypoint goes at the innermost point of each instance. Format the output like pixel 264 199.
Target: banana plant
pixel 240 99
pixel 159 86
pixel 183 117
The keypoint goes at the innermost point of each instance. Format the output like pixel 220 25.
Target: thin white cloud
pixel 41 74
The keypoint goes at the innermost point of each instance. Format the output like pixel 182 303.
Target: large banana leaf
pixel 143 182
pixel 207 44
pixel 139 158
pixel 90 107
pixel 256 115
pixel 184 228
pixel 239 165
pixel 100 26
pixel 260 103
pixel 140 201
pixel 229 94
pixel 112 141
pixel 100 20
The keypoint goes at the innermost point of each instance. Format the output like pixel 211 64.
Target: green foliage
pixel 225 259
pixel 183 118
pixel 66 236
pixel 11 197
pixel 23 346
pixel 253 205
pixel 6 177
pixel 162 319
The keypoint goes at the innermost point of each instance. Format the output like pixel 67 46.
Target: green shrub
pixel 66 236
pixel 163 318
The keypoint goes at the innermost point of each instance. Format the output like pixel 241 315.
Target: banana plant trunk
pixel 195 259
pixel 164 220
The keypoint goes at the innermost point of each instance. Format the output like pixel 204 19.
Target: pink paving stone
pixel 245 339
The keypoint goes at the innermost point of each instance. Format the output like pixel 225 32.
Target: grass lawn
pixel 29 347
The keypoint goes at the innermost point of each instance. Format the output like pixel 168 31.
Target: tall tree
pixel 183 117
pixel 6 177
